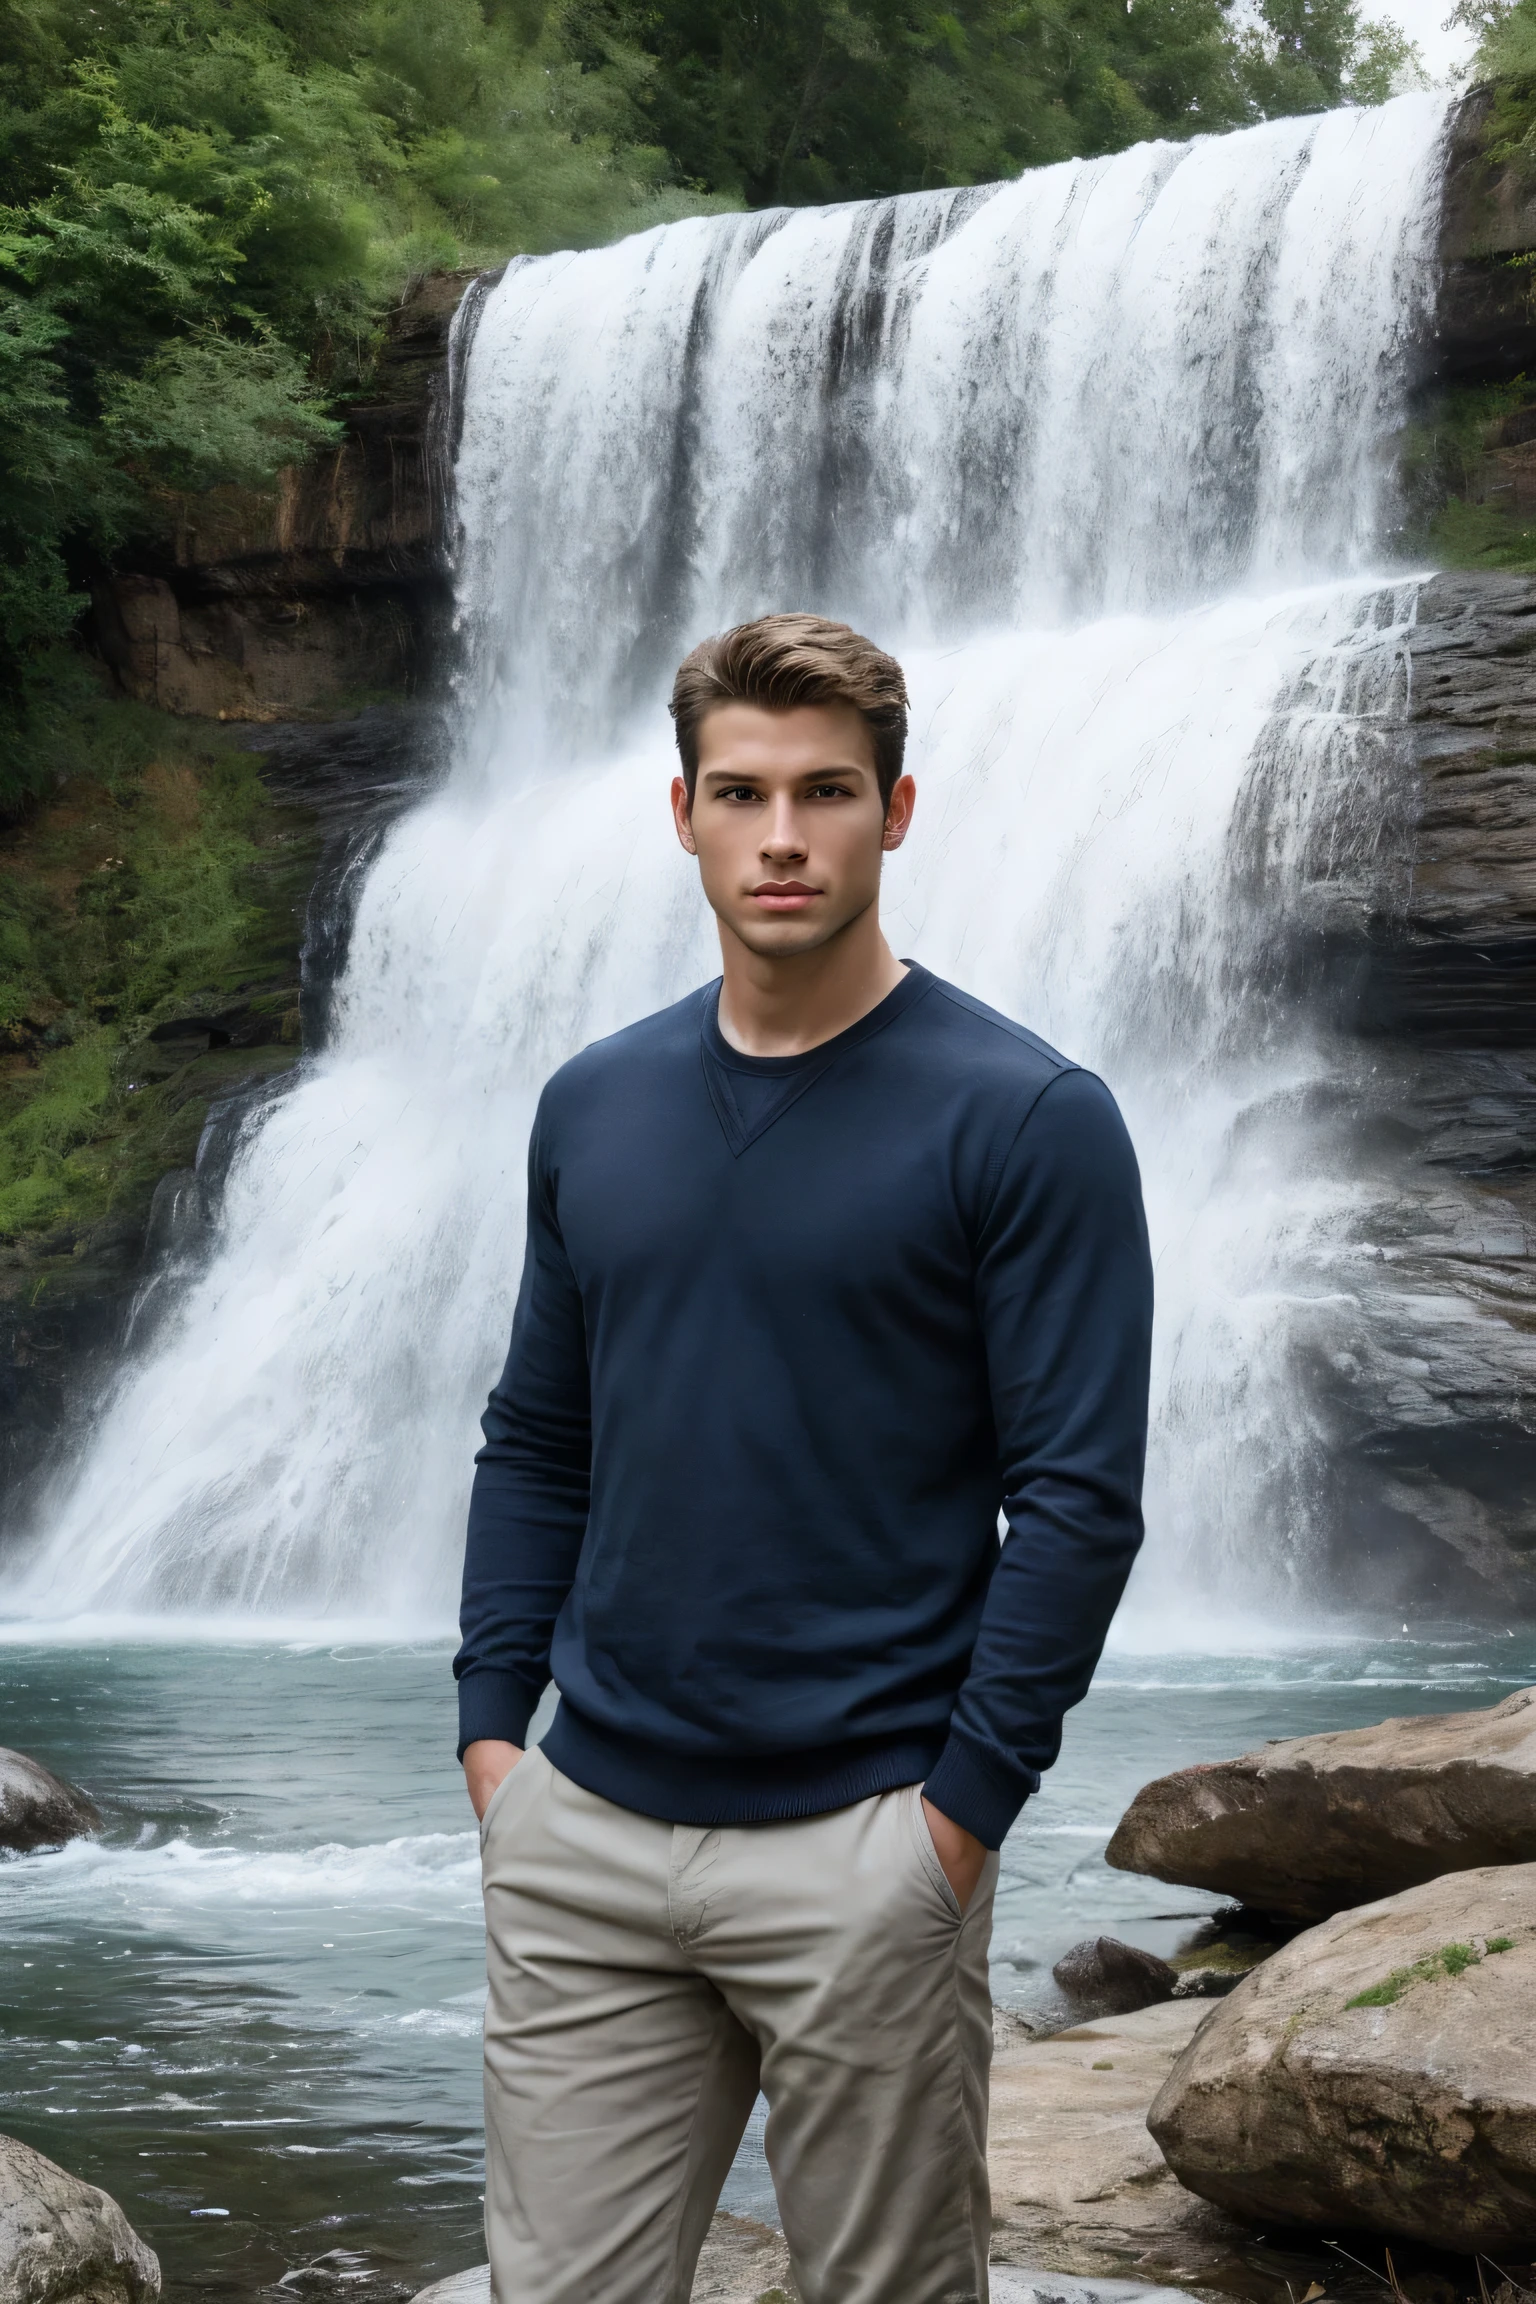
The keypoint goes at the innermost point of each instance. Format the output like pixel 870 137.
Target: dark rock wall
pixel 333 590
pixel 1427 1385
pixel 1486 320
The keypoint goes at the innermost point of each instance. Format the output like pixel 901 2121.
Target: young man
pixel 827 1266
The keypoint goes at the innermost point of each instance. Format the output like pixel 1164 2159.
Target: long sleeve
pixel 528 1507
pixel 1064 1289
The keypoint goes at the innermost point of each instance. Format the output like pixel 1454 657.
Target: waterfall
pixel 1105 455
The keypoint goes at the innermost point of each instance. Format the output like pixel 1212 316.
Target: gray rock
pixel 1378 2072
pixel 1206 1983
pixel 1420 1371
pixel 64 2242
pixel 1312 1825
pixel 1114 1977
pixel 1078 2186
pixel 37 1808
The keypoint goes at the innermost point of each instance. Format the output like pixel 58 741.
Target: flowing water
pixel 1106 455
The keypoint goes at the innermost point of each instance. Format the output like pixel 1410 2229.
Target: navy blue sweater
pixel 791 1333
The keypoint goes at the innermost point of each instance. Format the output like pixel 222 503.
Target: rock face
pixel 1306 1827
pixel 1484 323
pixel 1114 1978
pixel 1379 2072
pixel 63 2242
pixel 38 1809
pixel 1421 1369
pixel 1077 2183
pixel 262 607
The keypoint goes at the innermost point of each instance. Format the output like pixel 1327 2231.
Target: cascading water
pixel 1104 454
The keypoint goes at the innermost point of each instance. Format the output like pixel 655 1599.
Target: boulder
pixel 1078 2186
pixel 1313 1824
pixel 1378 2072
pixel 62 2241
pixel 1114 1978
pixel 37 1808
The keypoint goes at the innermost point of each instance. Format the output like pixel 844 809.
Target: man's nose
pixel 782 837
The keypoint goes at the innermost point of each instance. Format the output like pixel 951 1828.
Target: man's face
pixel 787 822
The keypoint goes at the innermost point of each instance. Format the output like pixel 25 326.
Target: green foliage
pixel 1506 56
pixel 209 409
pixel 207 208
pixel 164 883
pixel 1480 536
pixel 1461 503
pixel 803 100
pixel 1450 1960
pixel 1308 55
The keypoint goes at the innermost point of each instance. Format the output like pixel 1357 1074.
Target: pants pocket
pixel 928 1855
pixel 498 1798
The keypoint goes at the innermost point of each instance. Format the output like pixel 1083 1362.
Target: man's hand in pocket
pixel 960 1853
pixel 485 1763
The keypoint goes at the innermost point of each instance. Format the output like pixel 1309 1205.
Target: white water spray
pixel 1103 452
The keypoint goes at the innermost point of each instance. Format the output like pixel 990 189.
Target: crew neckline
pixel 900 997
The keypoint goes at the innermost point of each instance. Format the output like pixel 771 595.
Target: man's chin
pixel 784 939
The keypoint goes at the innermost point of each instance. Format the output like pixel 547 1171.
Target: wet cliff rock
pixel 1486 314
pixel 1378 2073
pixel 1306 1827
pixel 1425 1365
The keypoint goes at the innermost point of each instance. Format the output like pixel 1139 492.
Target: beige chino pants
pixel 646 1978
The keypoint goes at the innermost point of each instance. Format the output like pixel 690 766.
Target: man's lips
pixel 783 895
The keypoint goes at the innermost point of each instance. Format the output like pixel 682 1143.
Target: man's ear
pixel 898 812
pixel 682 815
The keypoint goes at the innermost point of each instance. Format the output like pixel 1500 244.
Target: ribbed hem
pixel 494 1704
pixel 978 1798
pixel 679 1790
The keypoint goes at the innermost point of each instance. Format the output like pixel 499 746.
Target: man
pixel 827 1266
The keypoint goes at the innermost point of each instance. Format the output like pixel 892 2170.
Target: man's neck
pixel 783 1005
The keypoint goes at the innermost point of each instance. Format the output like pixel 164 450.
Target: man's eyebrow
pixel 807 775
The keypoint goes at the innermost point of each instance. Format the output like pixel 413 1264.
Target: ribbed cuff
pixel 495 1704
pixel 975 1796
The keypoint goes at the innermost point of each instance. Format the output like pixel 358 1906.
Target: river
pixel 252 2010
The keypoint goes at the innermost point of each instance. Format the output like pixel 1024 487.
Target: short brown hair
pixel 779 662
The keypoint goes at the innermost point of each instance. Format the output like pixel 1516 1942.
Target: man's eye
pixel 829 792
pixel 738 792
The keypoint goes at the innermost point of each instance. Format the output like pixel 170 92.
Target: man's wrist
pixel 494 1707
pixel 980 1798
pixel 487 1762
